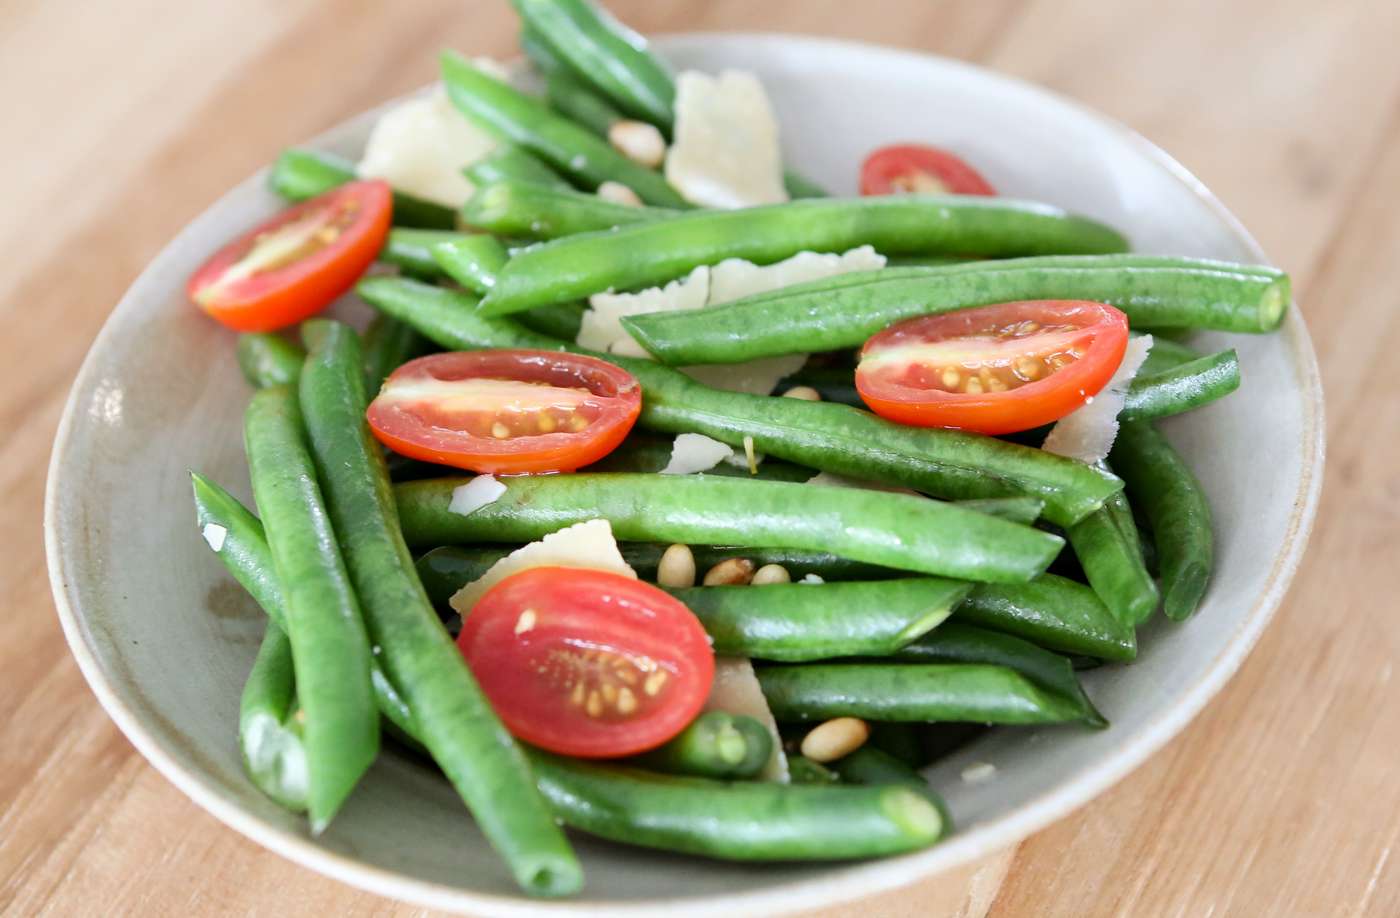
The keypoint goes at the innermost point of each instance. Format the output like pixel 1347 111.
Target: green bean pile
pixel 971 592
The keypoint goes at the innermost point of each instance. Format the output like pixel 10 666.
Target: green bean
pixel 509 161
pixel 835 438
pixel 741 821
pixel 894 530
pixel 411 251
pixel 454 719
pixel 472 261
pixel 1108 548
pixel 799 186
pixel 1056 613
pixel 901 741
pixel 561 321
pixel 640 453
pixel 911 692
pixel 1160 483
pixel 651 253
pixel 1016 509
pixel 388 345
pixel 243 550
pixel 845 311
pixel 515 208
pixel 1187 386
pixel 571 98
pixel 715 745
pixel 274 756
pixel 868 765
pixel 923 261
pixel 539 52
pixel 605 52
pixel 955 642
pixel 802 770
pixel 794 622
pixel 301 174
pixel 323 621
pixel 567 147
pixel 268 359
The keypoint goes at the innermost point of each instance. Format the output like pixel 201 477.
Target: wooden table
pixel 123 121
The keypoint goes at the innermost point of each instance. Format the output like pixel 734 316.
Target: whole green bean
pixel 329 643
pixel 895 530
pixel 911 692
pixel 1164 355
pixel 509 161
pixel 794 622
pixel 268 359
pixel 742 821
pixel 274 756
pixel 1108 548
pixel 454 719
pixel 901 741
pixel 472 261
pixel 244 552
pixel 835 438
pixel 1056 613
pixel 715 745
pixel 799 186
pixel 411 251
pixel 388 345
pixel 567 147
pixel 1162 486
pixel 802 770
pixel 301 174
pixel 524 209
pixel 560 321
pixel 605 52
pixel 955 642
pixel 1017 509
pixel 651 253
pixel 845 311
pixel 1182 388
pixel 539 52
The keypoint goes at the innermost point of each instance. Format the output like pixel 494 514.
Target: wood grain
pixel 124 121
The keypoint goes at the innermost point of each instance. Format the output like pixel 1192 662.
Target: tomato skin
pixel 286 294
pixel 550 644
pixel 422 430
pixel 1100 331
pixel 886 168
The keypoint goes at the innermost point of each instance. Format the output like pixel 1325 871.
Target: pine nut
pixel 677 567
pixel 835 739
pixel 730 572
pixel 771 573
pixel 806 393
pixel 638 141
pixel 619 193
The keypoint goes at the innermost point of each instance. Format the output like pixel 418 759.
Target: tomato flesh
pixel 911 167
pixel 297 263
pixel 588 663
pixel 506 411
pixel 993 369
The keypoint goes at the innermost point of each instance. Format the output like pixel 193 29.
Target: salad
pixel 668 498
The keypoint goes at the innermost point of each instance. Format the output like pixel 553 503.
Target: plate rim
pixel 842 883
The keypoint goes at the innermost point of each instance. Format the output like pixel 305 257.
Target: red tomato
pixel 914 167
pixel 588 663
pixel 993 369
pixel 506 412
pixel 295 264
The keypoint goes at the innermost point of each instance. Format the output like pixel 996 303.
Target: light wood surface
pixel 123 121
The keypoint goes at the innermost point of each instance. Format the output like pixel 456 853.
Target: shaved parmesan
pixel 725 148
pixel 1087 433
pixel 736 691
pixel 706 286
pixel 420 147
pixel 694 452
pixel 475 494
pixel 811 578
pixel 214 534
pixel 587 545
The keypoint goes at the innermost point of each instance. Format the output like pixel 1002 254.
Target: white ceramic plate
pixel 166 638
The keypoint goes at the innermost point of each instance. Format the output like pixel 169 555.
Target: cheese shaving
pixel 694 452
pixel 584 545
pixel 475 494
pixel 1087 433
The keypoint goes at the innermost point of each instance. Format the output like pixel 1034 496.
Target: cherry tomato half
pixel 588 663
pixel 506 412
pixel 913 167
pixel 993 369
pixel 295 264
